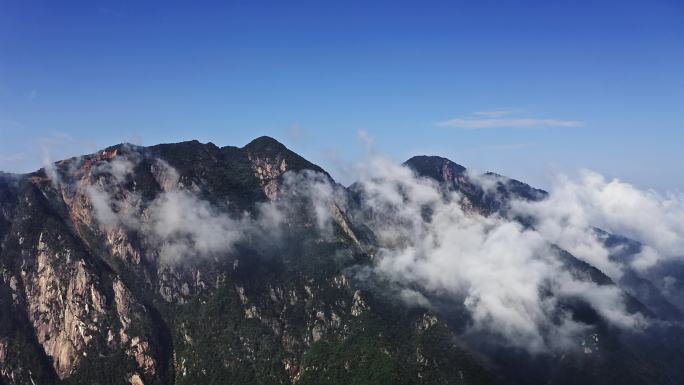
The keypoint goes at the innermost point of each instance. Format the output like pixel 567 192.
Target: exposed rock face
pixel 69 306
pixel 64 312
pixel 89 294
pixel 268 171
pixel 135 379
pixel 270 160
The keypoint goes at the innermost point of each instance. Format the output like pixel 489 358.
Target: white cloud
pixel 498 113
pixel 498 268
pixel 50 169
pixel 102 207
pixel 505 118
pixel 179 225
pixel 183 226
pixel 576 205
pixel 480 123
pixel 314 189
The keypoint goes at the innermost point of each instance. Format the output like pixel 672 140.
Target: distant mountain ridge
pixel 456 177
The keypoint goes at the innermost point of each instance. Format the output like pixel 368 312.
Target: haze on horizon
pixel 522 89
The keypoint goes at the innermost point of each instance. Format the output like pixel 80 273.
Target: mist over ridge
pixel 505 274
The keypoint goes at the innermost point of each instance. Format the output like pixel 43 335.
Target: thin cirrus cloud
pixel 504 119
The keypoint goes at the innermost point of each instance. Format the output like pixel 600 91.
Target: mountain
pixel 190 263
pixel 488 193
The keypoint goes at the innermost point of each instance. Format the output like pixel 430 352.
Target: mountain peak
pixel 265 144
pixel 269 150
pixel 435 167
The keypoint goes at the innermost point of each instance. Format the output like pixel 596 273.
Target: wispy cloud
pixel 498 113
pixel 507 119
pixel 508 146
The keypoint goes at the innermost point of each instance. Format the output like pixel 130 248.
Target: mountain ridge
pixel 92 289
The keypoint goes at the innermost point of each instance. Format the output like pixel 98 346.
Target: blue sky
pixel 523 88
